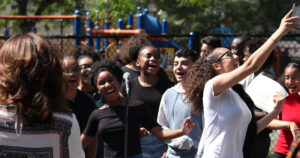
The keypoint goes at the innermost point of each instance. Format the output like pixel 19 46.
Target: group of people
pixel 76 104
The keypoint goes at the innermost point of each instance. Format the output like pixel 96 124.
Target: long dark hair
pixel 201 72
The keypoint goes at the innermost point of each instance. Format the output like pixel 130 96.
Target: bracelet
pixel 288 125
pixel 275 41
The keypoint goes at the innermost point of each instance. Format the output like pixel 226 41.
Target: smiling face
pixel 181 66
pixel 108 86
pixel 292 80
pixel 227 63
pixel 85 65
pixel 148 61
pixel 71 73
pixel 235 44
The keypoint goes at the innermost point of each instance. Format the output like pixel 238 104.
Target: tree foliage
pixel 39 7
pixel 243 16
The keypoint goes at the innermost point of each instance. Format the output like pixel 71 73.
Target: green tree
pixel 39 7
pixel 243 16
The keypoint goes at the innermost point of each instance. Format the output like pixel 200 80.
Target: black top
pixel 82 106
pixel 252 127
pixel 149 96
pixel 109 123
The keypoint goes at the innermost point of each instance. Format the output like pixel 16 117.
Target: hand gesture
pixel 294 129
pixel 287 22
pixel 187 126
pixel 278 99
pixel 144 132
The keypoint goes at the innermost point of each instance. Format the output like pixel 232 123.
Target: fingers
pixel 292 19
pixel 289 14
pixel 295 133
pixel 188 123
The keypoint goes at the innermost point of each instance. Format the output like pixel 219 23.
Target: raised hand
pixel 187 126
pixel 287 22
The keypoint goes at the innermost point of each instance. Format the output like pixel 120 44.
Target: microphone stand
pixel 126 124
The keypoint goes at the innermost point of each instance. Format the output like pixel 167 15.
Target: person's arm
pixel 90 131
pixel 257 59
pixel 162 116
pixel 86 140
pixel 182 142
pixel 161 133
pixel 91 150
pixel 263 122
pixel 259 114
pixel 279 124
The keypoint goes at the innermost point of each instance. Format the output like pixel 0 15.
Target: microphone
pixel 126 77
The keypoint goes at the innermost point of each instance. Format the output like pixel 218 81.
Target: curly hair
pixel 84 51
pixel 201 72
pixel 31 77
pixel 129 50
pixel 105 65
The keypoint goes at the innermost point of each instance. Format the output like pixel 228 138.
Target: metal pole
pixel 77 26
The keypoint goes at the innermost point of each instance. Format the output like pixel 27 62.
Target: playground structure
pixel 95 37
pixel 87 32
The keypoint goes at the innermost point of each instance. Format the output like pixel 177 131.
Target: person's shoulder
pixel 63 116
pixel 82 94
pixel 166 82
pixel 133 73
pixel 86 98
pixel 134 81
pixel 170 91
pixel 100 112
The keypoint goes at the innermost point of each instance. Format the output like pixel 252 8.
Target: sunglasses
pixel 230 54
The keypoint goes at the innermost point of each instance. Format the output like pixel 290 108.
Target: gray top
pixel 173 109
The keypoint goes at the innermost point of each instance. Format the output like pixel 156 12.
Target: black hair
pixel 84 51
pixel 187 53
pixel 130 49
pixel 240 47
pixel 256 43
pixel 212 41
pixel 105 65
pixel 148 46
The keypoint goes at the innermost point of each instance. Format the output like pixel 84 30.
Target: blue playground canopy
pixel 226 41
pixel 152 26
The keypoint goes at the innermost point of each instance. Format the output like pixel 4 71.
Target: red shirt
pixel 290 112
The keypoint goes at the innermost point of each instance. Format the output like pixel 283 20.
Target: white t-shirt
pixel 226 119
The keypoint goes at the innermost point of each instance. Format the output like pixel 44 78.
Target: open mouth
pixel 180 74
pixel 292 87
pixel 110 91
pixel 152 64
pixel 72 80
